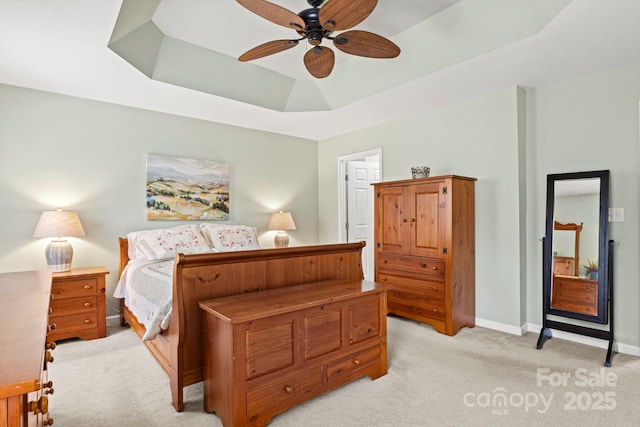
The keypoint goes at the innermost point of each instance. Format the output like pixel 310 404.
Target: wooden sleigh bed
pixel 201 277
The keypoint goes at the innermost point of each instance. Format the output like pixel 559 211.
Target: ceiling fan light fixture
pixel 340 40
pixel 316 24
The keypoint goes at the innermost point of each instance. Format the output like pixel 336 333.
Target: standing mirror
pixel 576 256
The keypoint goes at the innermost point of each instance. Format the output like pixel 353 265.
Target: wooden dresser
pixel 267 351
pixel 425 248
pixel 575 294
pixel 78 307
pixel 24 383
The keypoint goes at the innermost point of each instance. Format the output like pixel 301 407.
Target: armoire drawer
pixel 424 306
pixel 417 284
pixel 429 266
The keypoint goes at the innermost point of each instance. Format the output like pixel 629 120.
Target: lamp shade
pixel 281 221
pixel 59 223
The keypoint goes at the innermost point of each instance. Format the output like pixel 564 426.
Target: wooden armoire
pixel 425 248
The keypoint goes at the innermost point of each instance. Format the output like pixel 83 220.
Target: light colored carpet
pixel 479 377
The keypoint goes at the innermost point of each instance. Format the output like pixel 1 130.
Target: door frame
pixel 342 195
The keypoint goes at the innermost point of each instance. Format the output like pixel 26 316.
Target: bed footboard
pixel 205 276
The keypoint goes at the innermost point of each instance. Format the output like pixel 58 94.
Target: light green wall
pixel 583 124
pixel 477 138
pixel 510 141
pixel 60 151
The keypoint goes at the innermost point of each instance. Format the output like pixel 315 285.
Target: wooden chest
pixel 268 351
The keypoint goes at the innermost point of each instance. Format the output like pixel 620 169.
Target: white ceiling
pixel 61 46
pixel 226 27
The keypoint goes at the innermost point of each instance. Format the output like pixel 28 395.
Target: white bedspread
pixel 146 289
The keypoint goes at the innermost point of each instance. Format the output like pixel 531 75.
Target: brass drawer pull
pixel 87 321
pixel 87 286
pixel 356 361
pixel 288 389
pixel 87 304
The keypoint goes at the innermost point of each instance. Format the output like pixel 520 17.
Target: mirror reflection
pixel 574 285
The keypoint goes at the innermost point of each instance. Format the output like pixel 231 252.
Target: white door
pixel 357 205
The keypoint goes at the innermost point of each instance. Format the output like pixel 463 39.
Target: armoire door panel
pixel 428 223
pixel 393 226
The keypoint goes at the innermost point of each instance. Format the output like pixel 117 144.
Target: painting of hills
pixel 186 189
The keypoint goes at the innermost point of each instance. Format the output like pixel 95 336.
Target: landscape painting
pixel 186 189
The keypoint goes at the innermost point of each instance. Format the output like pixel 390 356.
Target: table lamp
pixel 281 221
pixel 59 224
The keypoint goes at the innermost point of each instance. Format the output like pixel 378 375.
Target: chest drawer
pixel 74 288
pixel 429 266
pixel 62 307
pixel 353 363
pixel 282 389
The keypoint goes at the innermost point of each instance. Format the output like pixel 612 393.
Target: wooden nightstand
pixel 78 307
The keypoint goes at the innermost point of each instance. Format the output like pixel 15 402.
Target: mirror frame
pixel 602 315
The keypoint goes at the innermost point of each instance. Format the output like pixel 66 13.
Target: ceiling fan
pixel 318 23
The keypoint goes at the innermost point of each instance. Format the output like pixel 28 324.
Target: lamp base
pixel 281 240
pixel 59 254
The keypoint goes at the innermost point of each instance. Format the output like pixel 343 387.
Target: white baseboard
pixel 581 339
pixel 113 320
pixel 503 327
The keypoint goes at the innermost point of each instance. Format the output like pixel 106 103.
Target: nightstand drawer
pixel 74 288
pixel 73 322
pixel 63 307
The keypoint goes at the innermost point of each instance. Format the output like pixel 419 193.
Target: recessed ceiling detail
pixel 194 44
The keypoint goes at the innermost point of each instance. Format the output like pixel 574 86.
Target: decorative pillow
pixel 166 243
pixel 230 237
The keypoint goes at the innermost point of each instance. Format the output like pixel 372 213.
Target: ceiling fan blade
pixel 274 13
pixel 319 61
pixel 344 14
pixel 267 49
pixel 364 43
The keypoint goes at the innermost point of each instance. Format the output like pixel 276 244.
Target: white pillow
pixel 230 237
pixel 166 243
pixel 132 249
